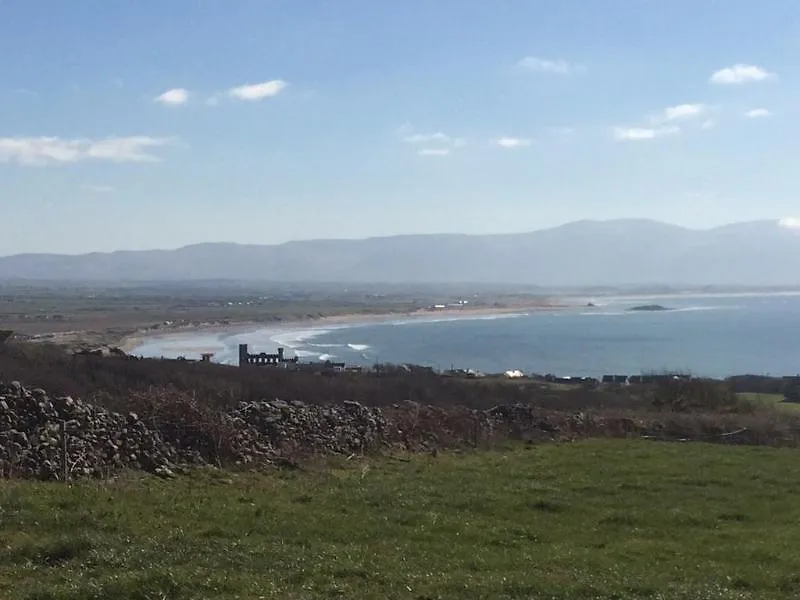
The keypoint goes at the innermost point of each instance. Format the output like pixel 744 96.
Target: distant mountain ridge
pixel 581 253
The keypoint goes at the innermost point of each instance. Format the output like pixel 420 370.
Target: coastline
pixel 130 342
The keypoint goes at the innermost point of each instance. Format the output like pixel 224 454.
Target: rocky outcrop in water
pixel 648 308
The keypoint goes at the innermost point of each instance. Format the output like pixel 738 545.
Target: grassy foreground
pixel 595 519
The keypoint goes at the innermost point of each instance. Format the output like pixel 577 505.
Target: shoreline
pixel 130 342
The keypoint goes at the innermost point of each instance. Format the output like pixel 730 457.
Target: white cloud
pixel 708 124
pixel 544 65
pixel 664 122
pixel 434 151
pixel 638 134
pixel 683 111
pixel 258 91
pixel 50 150
pixel 790 222
pixel 437 143
pixel 512 142
pixel 741 73
pixel 679 112
pixel 173 97
pixel 758 113
pixel 427 138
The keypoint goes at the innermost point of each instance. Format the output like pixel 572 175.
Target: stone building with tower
pixel 264 359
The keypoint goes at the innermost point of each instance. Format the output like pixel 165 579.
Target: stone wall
pixel 61 437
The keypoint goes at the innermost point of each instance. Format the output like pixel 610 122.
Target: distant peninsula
pixel 648 308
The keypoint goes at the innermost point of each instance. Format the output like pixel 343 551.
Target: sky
pixel 134 124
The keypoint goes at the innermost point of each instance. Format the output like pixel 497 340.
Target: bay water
pixel 709 335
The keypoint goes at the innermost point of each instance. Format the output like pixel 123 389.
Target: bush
pixel 685 395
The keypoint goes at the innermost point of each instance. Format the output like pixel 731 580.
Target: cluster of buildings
pixel 280 360
pixel 616 379
pixel 575 380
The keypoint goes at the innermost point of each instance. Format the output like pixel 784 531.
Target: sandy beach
pixel 129 343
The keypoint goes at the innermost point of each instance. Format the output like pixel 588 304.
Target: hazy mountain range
pixel 583 253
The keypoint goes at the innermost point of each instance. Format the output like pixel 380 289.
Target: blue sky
pixel 129 124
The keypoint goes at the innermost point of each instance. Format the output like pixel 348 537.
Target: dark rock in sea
pixel 648 308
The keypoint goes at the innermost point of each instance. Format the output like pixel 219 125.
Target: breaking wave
pixel 297 339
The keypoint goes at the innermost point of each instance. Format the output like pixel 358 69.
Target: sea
pixel 702 335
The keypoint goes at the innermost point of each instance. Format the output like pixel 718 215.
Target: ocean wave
pixel 456 318
pixel 699 308
pixel 295 339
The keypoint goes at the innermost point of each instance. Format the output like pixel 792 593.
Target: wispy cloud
pixel 434 151
pixel 639 134
pixel 741 73
pixel 512 142
pixel 678 112
pixel 708 124
pixel 665 122
pixel 427 138
pixel 54 150
pixel 758 113
pixel 683 111
pixel 173 97
pixel 258 91
pixel 435 144
pixel 545 65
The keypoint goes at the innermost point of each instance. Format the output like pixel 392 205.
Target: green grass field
pixel 595 519
pixel 770 400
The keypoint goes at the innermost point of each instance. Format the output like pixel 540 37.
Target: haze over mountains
pixel 582 253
